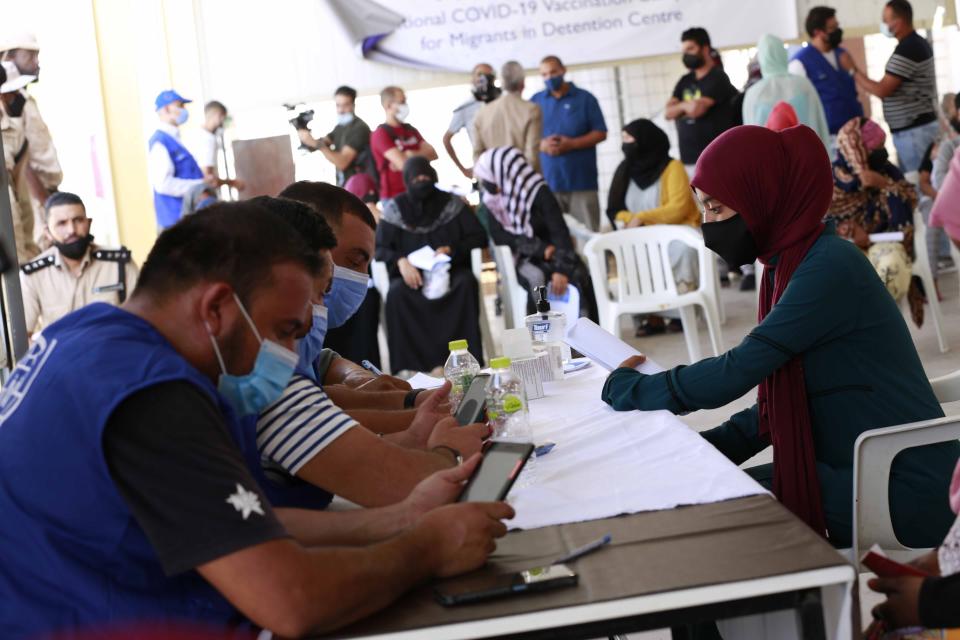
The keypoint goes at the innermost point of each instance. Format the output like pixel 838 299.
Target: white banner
pixel 456 34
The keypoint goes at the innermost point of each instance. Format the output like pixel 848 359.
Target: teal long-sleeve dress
pixel 861 371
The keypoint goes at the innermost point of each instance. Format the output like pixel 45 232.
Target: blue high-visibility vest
pixel 837 90
pixel 71 553
pixel 184 166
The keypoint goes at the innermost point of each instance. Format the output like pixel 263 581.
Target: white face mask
pixel 344 118
pixel 403 111
pixel 886 30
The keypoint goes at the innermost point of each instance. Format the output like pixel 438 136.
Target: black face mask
pixel 877 159
pixel 76 249
pixel 420 190
pixel 834 38
pixel 15 108
pixel 483 90
pixel 731 240
pixel 693 61
pixel 955 123
pixel 630 150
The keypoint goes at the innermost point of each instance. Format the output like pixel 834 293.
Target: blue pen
pixel 369 366
pixel 585 549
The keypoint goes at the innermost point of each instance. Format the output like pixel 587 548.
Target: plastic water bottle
pixel 508 413
pixel 460 369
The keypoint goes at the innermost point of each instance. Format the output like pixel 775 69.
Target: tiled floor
pixel 670 350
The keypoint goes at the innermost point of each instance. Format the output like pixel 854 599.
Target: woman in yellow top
pixel 650 187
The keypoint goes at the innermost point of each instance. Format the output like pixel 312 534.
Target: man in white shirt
pixel 209 140
pixel 206 143
pixel 172 170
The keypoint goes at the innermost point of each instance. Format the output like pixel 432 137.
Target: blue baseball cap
pixel 168 96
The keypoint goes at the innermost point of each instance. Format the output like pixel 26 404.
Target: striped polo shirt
pixel 912 104
pixel 297 427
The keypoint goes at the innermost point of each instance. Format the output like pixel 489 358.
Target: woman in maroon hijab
pixel 831 355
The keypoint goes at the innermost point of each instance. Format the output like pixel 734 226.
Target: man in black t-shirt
pixel 347 146
pixel 222 297
pixel 701 101
pixel 908 87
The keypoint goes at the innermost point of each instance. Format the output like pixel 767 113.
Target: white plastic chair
pixel 947 388
pixel 381 282
pixel 873 456
pixel 579 232
pixel 476 262
pixel 645 282
pixel 512 295
pixel 921 268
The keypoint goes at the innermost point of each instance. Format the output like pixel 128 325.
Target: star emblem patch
pixel 245 502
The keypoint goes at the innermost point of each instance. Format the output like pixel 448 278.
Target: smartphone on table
pixel 499 586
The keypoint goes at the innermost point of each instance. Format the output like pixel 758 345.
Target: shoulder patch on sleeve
pixel 112 255
pixel 37 265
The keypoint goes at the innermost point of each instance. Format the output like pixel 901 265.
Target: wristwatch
pixel 410 399
pixel 457 458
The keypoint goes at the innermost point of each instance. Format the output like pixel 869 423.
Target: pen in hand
pixel 369 366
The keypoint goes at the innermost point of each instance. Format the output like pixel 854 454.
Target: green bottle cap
pixel 457 345
pixel 500 363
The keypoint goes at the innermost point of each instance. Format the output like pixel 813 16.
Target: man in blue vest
pixel 128 497
pixel 829 67
pixel 172 170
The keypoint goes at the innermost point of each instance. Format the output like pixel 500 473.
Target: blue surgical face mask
pixel 310 346
pixel 252 393
pixel 346 295
pixel 182 115
pixel 554 83
pixel 344 119
pixel 886 30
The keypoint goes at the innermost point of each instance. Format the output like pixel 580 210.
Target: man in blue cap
pixel 173 171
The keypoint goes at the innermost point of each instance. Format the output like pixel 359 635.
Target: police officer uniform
pixel 16 156
pixel 42 159
pixel 51 291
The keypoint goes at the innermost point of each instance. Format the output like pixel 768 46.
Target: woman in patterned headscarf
pixel 870 195
pixel 525 216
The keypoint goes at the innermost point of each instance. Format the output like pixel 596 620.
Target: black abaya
pixel 418 329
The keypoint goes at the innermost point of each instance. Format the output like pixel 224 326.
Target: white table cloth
pixel 606 463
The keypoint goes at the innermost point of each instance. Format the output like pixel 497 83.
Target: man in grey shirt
pixel 484 91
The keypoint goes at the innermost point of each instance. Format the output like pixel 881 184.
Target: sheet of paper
pixel 423 381
pixel 604 348
pixel 426 258
pixel 889 236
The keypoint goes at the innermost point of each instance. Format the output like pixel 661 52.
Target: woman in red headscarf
pixel 831 355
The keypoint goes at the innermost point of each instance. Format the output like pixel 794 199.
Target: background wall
pixel 104 61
